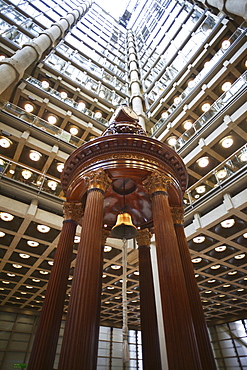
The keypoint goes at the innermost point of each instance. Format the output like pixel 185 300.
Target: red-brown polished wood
pixel 182 350
pixel 80 341
pixel 149 325
pixel 203 342
pixel 46 338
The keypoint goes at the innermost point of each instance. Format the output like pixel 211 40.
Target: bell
pixel 124 229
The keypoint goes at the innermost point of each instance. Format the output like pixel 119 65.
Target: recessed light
pixel 208 291
pixel 110 287
pixel 70 278
pixel 104 276
pixel 81 105
pixel 200 189
pixel 136 273
pixel 17 298
pixel 98 114
pixel 227 142
pixel 221 248
pixel 5 142
pixel 17 265
pixel 187 125
pixel 243 156
pixel 172 140
pixel 34 155
pixel 215 267
pixel 28 107
pixel 196 260
pixel 239 256
pixel 177 100
pixel 23 293
pixel 12 172
pixel 221 174
pixel 240 290
pixel 191 83
pixel 228 223
pixel 26 174
pixel 52 119
pixel 52 184
pixel 117 297
pixel 199 239
pixel 115 267
pixel 73 130
pixel 245 235
pixel 63 94
pixel 211 281
pixel 44 272
pixel 164 115
pixel 226 86
pixel 77 239
pixel 205 107
pixel 36 280
pixel 107 248
pixel 43 228
pixel 225 44
pixel 232 272
pixel 203 162
pixel 101 93
pixel 2 234
pixel 32 243
pixel 24 255
pixel 6 216
pixel 226 285
pixel 45 84
pixel 6 282
pixel 222 295
pixel 11 275
pixel 197 275
pixel 60 167
pixel 51 263
pixel 107 302
pixel 29 286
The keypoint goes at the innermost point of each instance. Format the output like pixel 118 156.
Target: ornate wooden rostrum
pixel 154 178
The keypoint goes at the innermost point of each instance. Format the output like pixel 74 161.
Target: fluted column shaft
pixel 80 341
pixel 149 324
pixel 46 338
pixel 182 350
pixel 203 342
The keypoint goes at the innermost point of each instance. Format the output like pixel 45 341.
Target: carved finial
pixel 177 215
pixel 73 211
pixel 124 121
pixel 144 237
pixel 97 179
pixel 157 182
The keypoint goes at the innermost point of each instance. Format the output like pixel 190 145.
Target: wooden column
pixel 149 325
pixel 46 338
pixel 80 341
pixel 182 350
pixel 203 342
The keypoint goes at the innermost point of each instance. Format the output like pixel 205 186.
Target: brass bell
pixel 124 229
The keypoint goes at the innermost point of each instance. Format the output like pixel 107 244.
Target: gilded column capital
pixel 105 235
pixel 72 211
pixel 97 180
pixel 177 215
pixel 157 182
pixel 144 237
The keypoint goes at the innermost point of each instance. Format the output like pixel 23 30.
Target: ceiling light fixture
pixel 164 115
pixel 191 83
pixel 24 255
pixel 239 256
pixel 52 184
pixel 17 265
pixel 115 267
pixel 45 84
pixel 232 272
pixel 73 130
pixel 226 86
pixel 26 174
pixel 221 174
pixel 77 239
pixel 6 216
pixel 177 100
pixel 98 114
pixel 11 275
pixel 243 156
pixel 197 260
pixel 28 107
pixel 32 243
pixel 205 107
pixel 211 281
pixel 203 162
pixel 200 189
pixel 187 124
pixel 215 267
pixel 63 94
pixel 227 142
pixel 172 140
pixel 228 223
pixel 52 119
pixel 199 239
pixel 107 248
pixel 34 155
pixel 221 248
pixel 51 263
pixel 81 105
pixel 43 228
pixel 5 142
pixel 36 280
pixel 60 167
pixel 43 272
pixel 2 234
pixel 225 44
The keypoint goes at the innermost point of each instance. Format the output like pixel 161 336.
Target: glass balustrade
pixel 221 103
pixel 16 36
pixel 40 124
pixel 68 101
pixel 216 178
pixel 30 177
pixel 183 58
